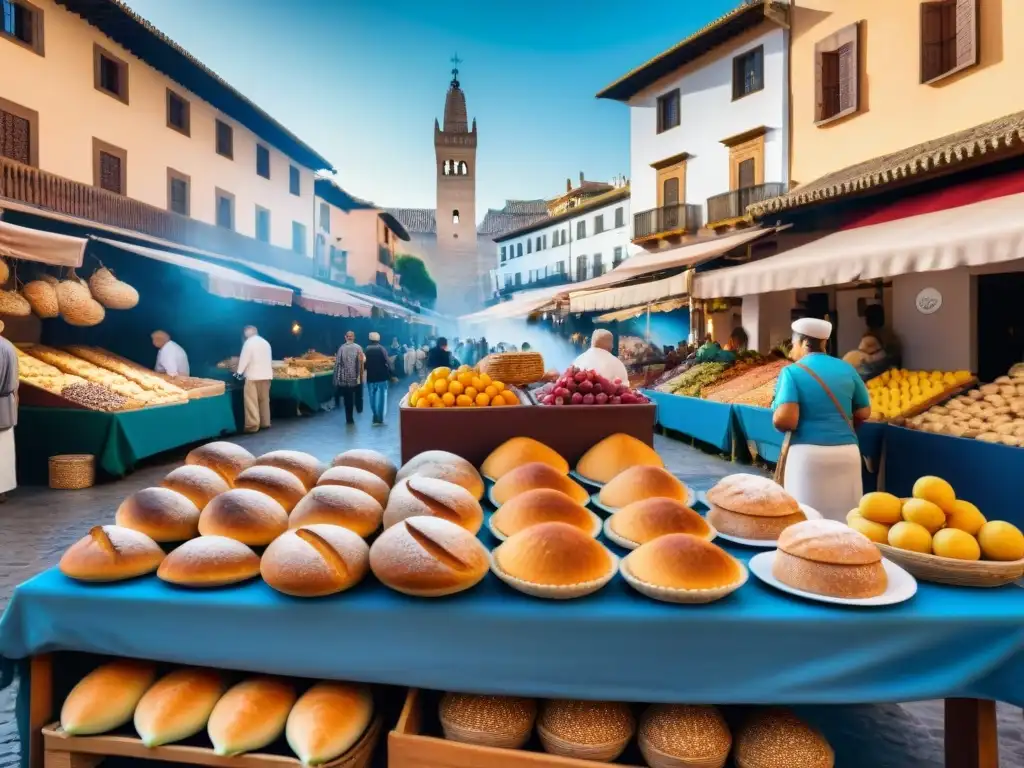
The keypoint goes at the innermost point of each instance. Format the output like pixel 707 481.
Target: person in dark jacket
pixel 440 357
pixel 378 376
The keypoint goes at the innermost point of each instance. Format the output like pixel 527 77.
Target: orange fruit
pixel 441 386
pixel 465 378
pixel 448 399
pixel 485 379
pixel 464 368
pixel 483 399
pixel 498 385
pixel 456 388
pixel 423 403
pixel 433 397
pixel 510 397
pixel 441 373
pixel 413 399
pixel 498 401
pixel 477 383
pixel 463 401
pixel 439 403
pixel 490 390
pixel 471 391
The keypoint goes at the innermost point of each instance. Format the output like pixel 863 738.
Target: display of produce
pixel 694 380
pixel 615 454
pixel 419 496
pixel 542 505
pixel 825 557
pixel 282 371
pixel 901 393
pixel 341 505
pixel 745 362
pixel 505 722
pixel 229 364
pixel 680 568
pixel 462 388
pixel 70 387
pixel 444 466
pixel 753 378
pixel 518 451
pixel 359 479
pixel 992 413
pixel 645 520
pixel 760 397
pixel 673 735
pixel 751 507
pixel 209 561
pixel 528 477
pixel 674 372
pixel 586 387
pixel 97 398
pixel 196 387
pixel 371 461
pixel 642 482
pixel 312 361
pixel 315 561
pixel 43 375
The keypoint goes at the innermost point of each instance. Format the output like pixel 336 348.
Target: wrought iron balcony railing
pixel 734 204
pixel 669 219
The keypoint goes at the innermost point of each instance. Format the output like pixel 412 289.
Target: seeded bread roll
pixel 244 515
pixel 338 505
pixel 553 555
pixel 106 698
pixel 826 557
pixel 304 466
pixel 542 505
pixel 775 737
pixel 251 715
pixel 160 513
pixel 223 457
pixel 371 461
pixel 416 495
pixel 209 561
pixel 279 484
pixel 328 720
pixel 751 527
pixel 198 483
pixel 111 553
pixel 315 560
pixel 537 475
pixel 642 482
pixel 518 451
pixel 443 465
pixel 686 734
pixel 428 557
pixel 647 519
pixel 752 495
pixel 361 479
pixel 615 454
pixel 178 705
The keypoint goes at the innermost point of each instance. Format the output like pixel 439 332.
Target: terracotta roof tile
pixel 417 221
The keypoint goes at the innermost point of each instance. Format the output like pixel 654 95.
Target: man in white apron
pixel 819 401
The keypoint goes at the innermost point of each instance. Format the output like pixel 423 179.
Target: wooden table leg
pixel 972 739
pixel 40 705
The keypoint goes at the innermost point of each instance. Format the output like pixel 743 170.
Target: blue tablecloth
pixel 703 420
pixel 755 426
pixel 872 438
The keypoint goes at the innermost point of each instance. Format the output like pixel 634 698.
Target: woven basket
pixel 948 570
pixel 514 367
pixel 72 472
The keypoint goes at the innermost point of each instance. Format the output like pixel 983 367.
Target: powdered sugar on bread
pixel 828 541
pixel 752 495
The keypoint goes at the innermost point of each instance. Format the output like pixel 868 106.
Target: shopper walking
pixel 256 366
pixel 8 414
pixel 378 377
pixel 348 376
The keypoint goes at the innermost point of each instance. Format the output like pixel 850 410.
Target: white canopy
pixel 315 296
pixel 631 312
pixel 520 305
pixel 45 247
pixel 631 295
pixel 988 232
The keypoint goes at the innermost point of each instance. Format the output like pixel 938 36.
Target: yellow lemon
pixel 463 401
pixel 880 508
pixel 490 390
pixel 448 399
pixel 441 386
pixel 498 385
pixel 964 516
pixel 455 387
pixel 441 373
pixel 924 513
pixel 510 397
pixel 877 532
pixel 483 399
pixel 852 513
pixel 1001 541
pixel 423 403
pixel 950 542
pixel 425 391
pixel 471 391
pixel 936 490
pixel 912 537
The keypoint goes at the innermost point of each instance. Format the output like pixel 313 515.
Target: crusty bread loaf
pixel 209 561
pixel 160 513
pixel 106 698
pixel 198 483
pixel 444 466
pixel 248 516
pixel 829 541
pixel 518 451
pixel 428 557
pixel 541 505
pixel 752 495
pixel 642 482
pixel 315 560
pixel 111 553
pixel 749 526
pixel 304 466
pixel 226 458
pixel 328 720
pixel 362 479
pixel 178 705
pixel 371 461
pixel 415 495
pixel 553 555
pixel 279 484
pixel 614 454
pixel 536 475
pixel 338 505
pixel 647 519
pixel 682 561
pixel 846 581
pixel 251 715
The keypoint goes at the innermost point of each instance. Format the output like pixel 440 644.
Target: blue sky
pixel 362 81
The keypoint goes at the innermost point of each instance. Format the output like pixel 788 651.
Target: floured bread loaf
pixel 223 457
pixel 279 484
pixel 304 466
pixel 209 561
pixel 338 505
pixel 245 515
pixel 200 484
pixel 360 479
pixel 111 553
pixel 443 465
pixel 417 495
pixel 162 514
pixel 428 557
pixel 827 557
pixel 371 461
pixel 315 560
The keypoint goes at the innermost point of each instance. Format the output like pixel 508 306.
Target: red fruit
pixel 616 400
pixel 586 386
pixel 576 398
pixel 595 388
pixel 591 375
pixel 581 376
pixel 548 400
pixel 600 398
pixel 572 386
pixel 628 399
pixel 559 401
pixel 588 399
pixel 561 392
pixel 617 382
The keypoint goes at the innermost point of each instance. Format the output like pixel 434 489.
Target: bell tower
pixel 461 272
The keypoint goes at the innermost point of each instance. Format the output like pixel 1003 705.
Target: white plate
pixel 691 499
pixel 585 480
pixel 902 586
pixel 811 514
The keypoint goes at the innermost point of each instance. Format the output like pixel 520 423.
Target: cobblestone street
pixel 38 524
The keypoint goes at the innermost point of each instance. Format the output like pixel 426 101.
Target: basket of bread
pixel 518 368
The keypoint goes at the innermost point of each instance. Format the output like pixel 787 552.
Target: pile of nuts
pixel 96 397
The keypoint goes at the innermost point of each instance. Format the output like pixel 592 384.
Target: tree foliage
pixel 415 279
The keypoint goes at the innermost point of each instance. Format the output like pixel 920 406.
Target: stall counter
pixel 703 420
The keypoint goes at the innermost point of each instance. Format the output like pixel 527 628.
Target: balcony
pixel 729 208
pixel 40 189
pixel 666 222
pixel 559 278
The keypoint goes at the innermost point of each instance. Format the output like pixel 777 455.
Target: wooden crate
pixel 410 747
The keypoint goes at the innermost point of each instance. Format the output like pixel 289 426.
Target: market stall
pixel 301 384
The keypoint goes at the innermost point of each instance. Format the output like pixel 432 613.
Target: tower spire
pixel 455 60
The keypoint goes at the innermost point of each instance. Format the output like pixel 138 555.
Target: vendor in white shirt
pixel 171 359
pixel 256 366
pixel 601 359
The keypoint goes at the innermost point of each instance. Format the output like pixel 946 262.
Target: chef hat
pixel 813 328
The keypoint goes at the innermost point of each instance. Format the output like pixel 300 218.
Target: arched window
pixel 455 216
pixel 463 168
pixel 444 168
pixel 519 249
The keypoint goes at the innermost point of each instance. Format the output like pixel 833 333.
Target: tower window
pixel 455 216
pixel 463 169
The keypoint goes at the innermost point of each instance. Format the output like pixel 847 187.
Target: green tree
pixel 415 279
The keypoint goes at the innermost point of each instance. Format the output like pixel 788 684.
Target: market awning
pixel 44 247
pixel 627 314
pixel 521 305
pixel 987 232
pixel 315 296
pixel 216 279
pixel 631 295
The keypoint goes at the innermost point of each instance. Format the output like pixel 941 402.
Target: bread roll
pixel 599 729
pixel 444 466
pixel 279 484
pixel 542 505
pixel 371 461
pixel 488 721
pixel 751 527
pixel 647 519
pixel 416 496
pixel 829 541
pixel 615 454
pixel 111 553
pixel 160 513
pixel 338 505
pixel 304 466
pixel 553 555
pixel 536 475
pixel 642 482
pixel 428 557
pixel 245 515
pixel 775 737
pixel 361 479
pixel 826 557
pixel 223 457
pixel 684 734
pixel 251 715
pixel 178 705
pixel 315 560
pixel 198 483
pixel 752 495
pixel 518 451
pixel 328 720
pixel 106 698
pixel 684 562
pixel 209 561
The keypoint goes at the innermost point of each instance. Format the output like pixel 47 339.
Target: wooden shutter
pixel 15 138
pixel 966 33
pixel 847 77
pixel 837 73
pixel 931 41
pixel 746 173
pixel 110 173
pixel 670 192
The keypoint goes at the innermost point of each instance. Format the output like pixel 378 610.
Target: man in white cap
pixel 171 359
pixel 819 402
pixel 378 376
pixel 600 358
